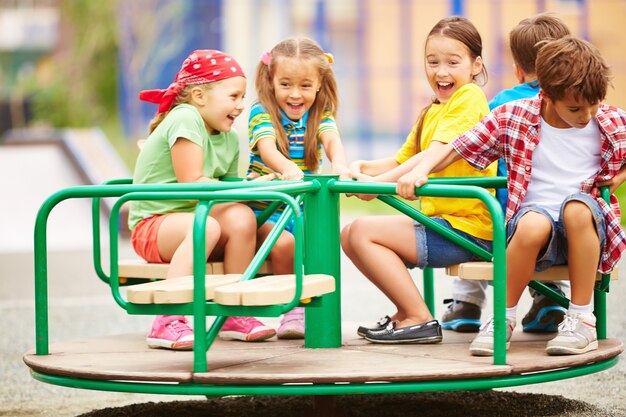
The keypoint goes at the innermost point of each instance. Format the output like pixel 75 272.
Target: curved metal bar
pixel 326 389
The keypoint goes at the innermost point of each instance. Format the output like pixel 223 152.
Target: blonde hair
pixel 464 31
pixel 183 97
pixel 572 66
pixel 326 99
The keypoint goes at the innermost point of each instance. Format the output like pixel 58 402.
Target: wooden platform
pixel 274 362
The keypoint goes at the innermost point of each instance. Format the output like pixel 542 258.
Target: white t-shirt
pixel 562 160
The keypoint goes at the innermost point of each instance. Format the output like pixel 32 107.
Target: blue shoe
pixel 545 315
pixel 461 317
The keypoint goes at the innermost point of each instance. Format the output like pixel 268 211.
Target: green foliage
pixel 81 89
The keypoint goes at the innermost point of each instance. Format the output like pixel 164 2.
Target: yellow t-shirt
pixel 443 123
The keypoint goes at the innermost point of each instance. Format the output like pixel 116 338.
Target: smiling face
pixel 220 103
pixel 568 112
pixel 295 85
pixel 449 66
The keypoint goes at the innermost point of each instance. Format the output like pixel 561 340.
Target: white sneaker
pixel 482 345
pixel 577 334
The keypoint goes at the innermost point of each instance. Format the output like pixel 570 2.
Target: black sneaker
pixel 461 316
pixel 545 314
pixel 380 325
pixel 429 332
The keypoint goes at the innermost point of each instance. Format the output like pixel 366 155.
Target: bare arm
pixel 187 161
pixel 434 159
pixel 406 166
pixel 372 168
pixel 336 154
pixel 272 157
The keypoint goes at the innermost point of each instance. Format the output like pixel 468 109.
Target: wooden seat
pixel 273 289
pixel 484 271
pixel 227 290
pixel 176 290
pixel 137 268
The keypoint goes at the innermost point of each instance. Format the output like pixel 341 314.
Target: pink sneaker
pixel 292 324
pixel 246 329
pixel 170 332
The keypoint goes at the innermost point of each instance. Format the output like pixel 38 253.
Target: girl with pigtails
pixel 292 120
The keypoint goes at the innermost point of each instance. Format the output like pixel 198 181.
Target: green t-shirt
pixel 154 163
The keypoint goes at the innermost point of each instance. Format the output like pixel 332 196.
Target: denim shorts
pixel 435 251
pixel 556 251
pixel 273 219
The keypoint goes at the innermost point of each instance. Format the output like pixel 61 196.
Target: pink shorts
pixel 144 238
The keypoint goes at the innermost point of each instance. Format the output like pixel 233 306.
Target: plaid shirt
pixel 512 132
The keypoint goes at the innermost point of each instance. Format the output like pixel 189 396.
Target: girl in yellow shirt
pixel 382 246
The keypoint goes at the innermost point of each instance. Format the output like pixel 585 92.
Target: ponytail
pixel 420 126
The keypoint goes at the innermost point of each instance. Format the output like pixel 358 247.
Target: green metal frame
pixel 317 228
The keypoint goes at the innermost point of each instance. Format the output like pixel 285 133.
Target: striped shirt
pixel 512 131
pixel 260 127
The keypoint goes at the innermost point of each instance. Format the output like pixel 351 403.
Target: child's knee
pixel 577 214
pixel 345 238
pixel 285 244
pixel 533 229
pixel 212 232
pixel 241 219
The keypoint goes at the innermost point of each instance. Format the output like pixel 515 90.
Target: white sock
pixel 586 311
pixel 511 313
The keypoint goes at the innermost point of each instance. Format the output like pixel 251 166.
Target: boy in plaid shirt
pixel 559 148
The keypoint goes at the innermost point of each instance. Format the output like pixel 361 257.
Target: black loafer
pixel 429 332
pixel 382 323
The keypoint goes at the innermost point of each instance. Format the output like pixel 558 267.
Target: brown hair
pixel 462 30
pixel 184 96
pixel 525 38
pixel 326 100
pixel 572 66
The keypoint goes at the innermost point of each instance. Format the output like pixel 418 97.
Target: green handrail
pixel 311 187
pixel 439 189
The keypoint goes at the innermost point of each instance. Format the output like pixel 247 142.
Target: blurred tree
pixel 80 88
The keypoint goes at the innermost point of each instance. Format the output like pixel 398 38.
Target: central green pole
pixel 322 256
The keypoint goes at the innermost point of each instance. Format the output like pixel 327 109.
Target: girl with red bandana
pixel 191 140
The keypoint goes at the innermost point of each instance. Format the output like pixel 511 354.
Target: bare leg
pixel 380 247
pixel 175 241
pixel 532 234
pixel 237 241
pixel 583 250
pixel 230 233
pixel 282 254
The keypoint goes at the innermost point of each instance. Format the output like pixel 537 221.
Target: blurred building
pixel 378 49
pixel 29 30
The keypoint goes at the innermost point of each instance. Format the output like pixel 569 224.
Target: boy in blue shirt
pixel 463 314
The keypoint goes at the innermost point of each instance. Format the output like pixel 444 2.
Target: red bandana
pixel 203 66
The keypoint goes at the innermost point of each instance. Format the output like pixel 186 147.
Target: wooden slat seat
pixel 227 290
pixel 273 289
pixel 484 271
pixel 176 290
pixel 137 268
